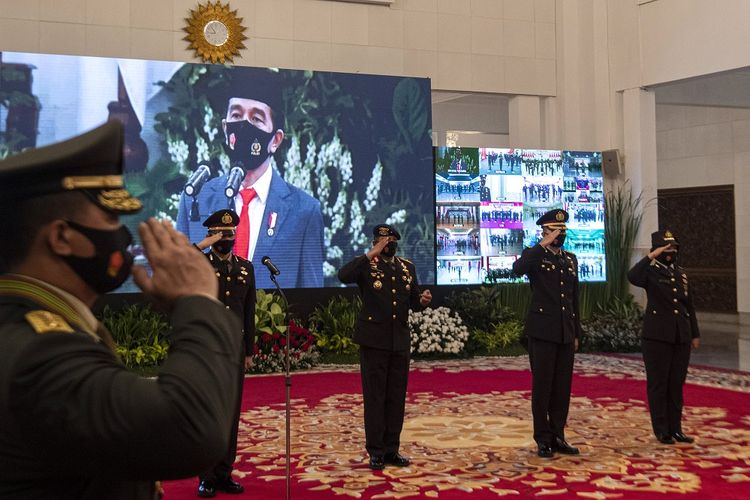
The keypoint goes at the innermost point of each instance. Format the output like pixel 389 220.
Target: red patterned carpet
pixel 468 433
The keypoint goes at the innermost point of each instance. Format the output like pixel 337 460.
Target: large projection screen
pixel 357 146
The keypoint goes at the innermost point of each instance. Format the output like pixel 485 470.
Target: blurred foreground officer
pixel 669 330
pixel 389 288
pixel 552 330
pixel 74 422
pixel 237 291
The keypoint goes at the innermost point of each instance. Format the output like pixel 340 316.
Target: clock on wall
pixel 215 32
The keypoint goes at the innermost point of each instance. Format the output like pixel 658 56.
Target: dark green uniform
pixel 76 424
pixel 388 291
pixel 237 292
pixel 552 325
pixel 669 325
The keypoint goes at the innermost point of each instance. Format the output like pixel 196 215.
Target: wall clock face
pixel 215 32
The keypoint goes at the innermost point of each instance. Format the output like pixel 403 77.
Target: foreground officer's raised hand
pixel 179 270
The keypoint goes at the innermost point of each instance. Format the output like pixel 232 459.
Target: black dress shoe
pixel 206 489
pixel 682 438
pixel 396 459
pixel 544 450
pixel 560 446
pixel 665 439
pixel 377 463
pixel 229 485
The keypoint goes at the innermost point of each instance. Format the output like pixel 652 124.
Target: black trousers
pixel 551 374
pixel 384 378
pixel 223 470
pixel 666 370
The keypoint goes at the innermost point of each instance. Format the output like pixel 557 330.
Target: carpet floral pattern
pixel 468 432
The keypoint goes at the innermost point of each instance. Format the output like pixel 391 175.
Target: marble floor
pixel 725 342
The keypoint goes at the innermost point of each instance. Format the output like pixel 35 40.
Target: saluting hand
pixel 696 343
pixel 209 240
pixel 377 248
pixel 550 238
pixel 658 251
pixel 425 298
pixel 179 270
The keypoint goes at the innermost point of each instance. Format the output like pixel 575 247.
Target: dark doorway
pixel 702 219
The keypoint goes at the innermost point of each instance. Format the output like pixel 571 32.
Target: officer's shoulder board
pixel 46 322
pixel 406 260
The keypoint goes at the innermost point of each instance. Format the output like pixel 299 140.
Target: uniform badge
pixel 226 218
pixel 271 223
pixel 255 148
pixel 559 217
pixel 377 285
pixel 45 321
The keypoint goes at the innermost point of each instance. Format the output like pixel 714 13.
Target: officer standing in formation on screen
pixel 74 422
pixel 237 291
pixel 670 329
pixel 389 289
pixel 552 331
pixel 484 191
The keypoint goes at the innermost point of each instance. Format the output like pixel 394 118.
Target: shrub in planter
pixel 333 325
pixel 616 328
pixel 139 333
pixel 481 307
pixel 500 338
pixel 436 332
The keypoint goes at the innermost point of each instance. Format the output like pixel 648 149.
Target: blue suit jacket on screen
pixel 296 242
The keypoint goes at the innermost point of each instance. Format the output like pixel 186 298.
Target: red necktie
pixel 242 240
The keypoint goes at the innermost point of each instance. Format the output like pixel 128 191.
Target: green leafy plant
pixel 482 306
pixel 500 339
pixel 271 326
pixel 333 325
pixel 139 333
pixel 624 216
pixel 615 329
pixel 270 313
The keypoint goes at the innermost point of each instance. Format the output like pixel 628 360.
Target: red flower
pixel 276 348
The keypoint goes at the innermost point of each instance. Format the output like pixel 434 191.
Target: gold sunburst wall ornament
pixel 215 32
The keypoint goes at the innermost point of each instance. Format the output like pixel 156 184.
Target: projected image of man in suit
pixel 276 218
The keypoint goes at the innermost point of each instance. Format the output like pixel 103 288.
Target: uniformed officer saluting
pixel 237 291
pixel 389 288
pixel 484 191
pixel 669 330
pixel 552 329
pixel 74 422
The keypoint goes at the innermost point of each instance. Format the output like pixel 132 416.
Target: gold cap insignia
pixel 668 235
pixel 226 218
pixel 559 216
pixel 384 231
pixel 118 200
pixel 45 321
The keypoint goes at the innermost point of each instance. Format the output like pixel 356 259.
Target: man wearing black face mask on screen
pixel 276 218
pixel 389 288
pixel 237 291
pixel 670 330
pixel 74 422
pixel 551 331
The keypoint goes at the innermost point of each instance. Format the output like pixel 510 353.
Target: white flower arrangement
pixel 437 331
pixel 323 168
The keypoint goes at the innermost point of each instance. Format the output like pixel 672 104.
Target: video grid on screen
pixel 488 201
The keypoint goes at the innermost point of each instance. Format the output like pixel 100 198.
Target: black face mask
pixel 223 246
pixel 111 263
pixel 560 240
pixel 390 249
pixel 247 144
